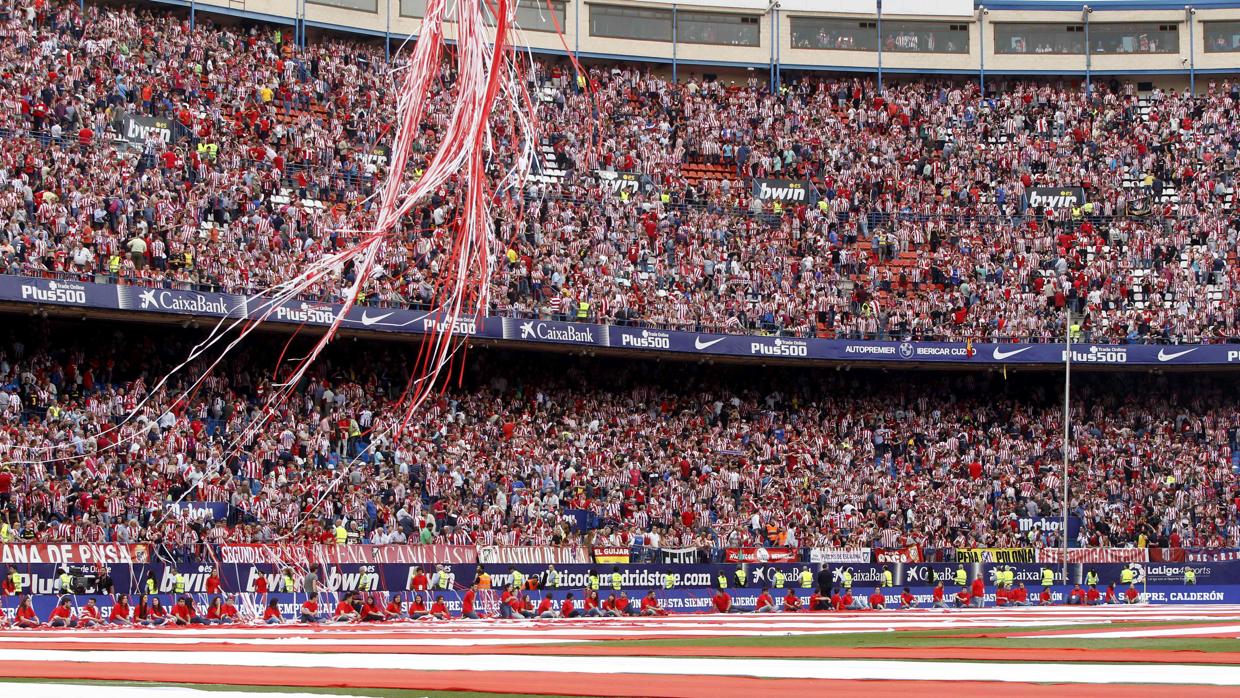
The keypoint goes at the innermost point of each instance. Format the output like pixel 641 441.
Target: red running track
pixel 613 686
pixel 1007 654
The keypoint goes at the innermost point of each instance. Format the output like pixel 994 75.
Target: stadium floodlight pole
pixel 878 31
pixel 981 53
pixel 1067 428
pixel 1086 11
pixel 1192 49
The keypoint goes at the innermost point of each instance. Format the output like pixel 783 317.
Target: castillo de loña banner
pixel 533 554
pixel 1057 198
pixel 785 191
pixel 1000 556
pixel 822 556
pixel 760 555
pixel 611 555
pixel 74 553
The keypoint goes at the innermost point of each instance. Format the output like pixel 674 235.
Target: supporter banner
pixel 677 556
pixel 1057 198
pixel 743 555
pixel 838 555
pixel 534 554
pixel 1091 555
pixel 73 553
pixel 785 191
pixel 377 156
pixel 616 182
pixel 197 511
pixel 136 128
pixel 303 555
pixel 1048 524
pixel 909 553
pixel 611 555
pixel 1195 555
pixel 996 555
pixel 85 294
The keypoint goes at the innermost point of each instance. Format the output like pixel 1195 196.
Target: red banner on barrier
pixel 534 555
pixel 347 554
pixel 1093 555
pixel 909 553
pixel 743 555
pixel 74 553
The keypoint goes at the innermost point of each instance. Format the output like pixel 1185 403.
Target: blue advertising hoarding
pixel 89 295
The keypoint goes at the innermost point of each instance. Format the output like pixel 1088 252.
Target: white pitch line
pixel 1165 674
pixel 85 690
pixel 309 642
pixel 1154 632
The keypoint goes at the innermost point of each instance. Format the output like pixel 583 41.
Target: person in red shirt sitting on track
pixel 765 602
pixel 345 612
pixel 907 600
pixel 157 615
pixel 467 602
pixel 214 611
pixel 962 597
pixel 1001 596
pixel 119 615
pixel 937 600
pixel 417 608
pixel 1044 598
pixel 590 606
pixel 1111 597
pixel 439 609
pixel 372 609
pixel 878 602
pixel 568 609
pixel 62 615
pixel 722 602
pixel 271 614
pixel 792 602
pixel 309 612
pixel 650 605
pixel 228 610
pixel 1131 595
pixel 25 616
pixel 1092 597
pixel 394 609
pixel 545 608
pixel 89 616
pixel 624 607
pixel 1077 596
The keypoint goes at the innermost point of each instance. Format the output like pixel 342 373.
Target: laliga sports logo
pixel 780 347
pixel 649 339
pixel 65 293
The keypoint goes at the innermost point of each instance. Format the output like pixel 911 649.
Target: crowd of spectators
pixel 923 228
pixel 656 455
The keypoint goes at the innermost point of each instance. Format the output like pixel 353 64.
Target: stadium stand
pixel 139 152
